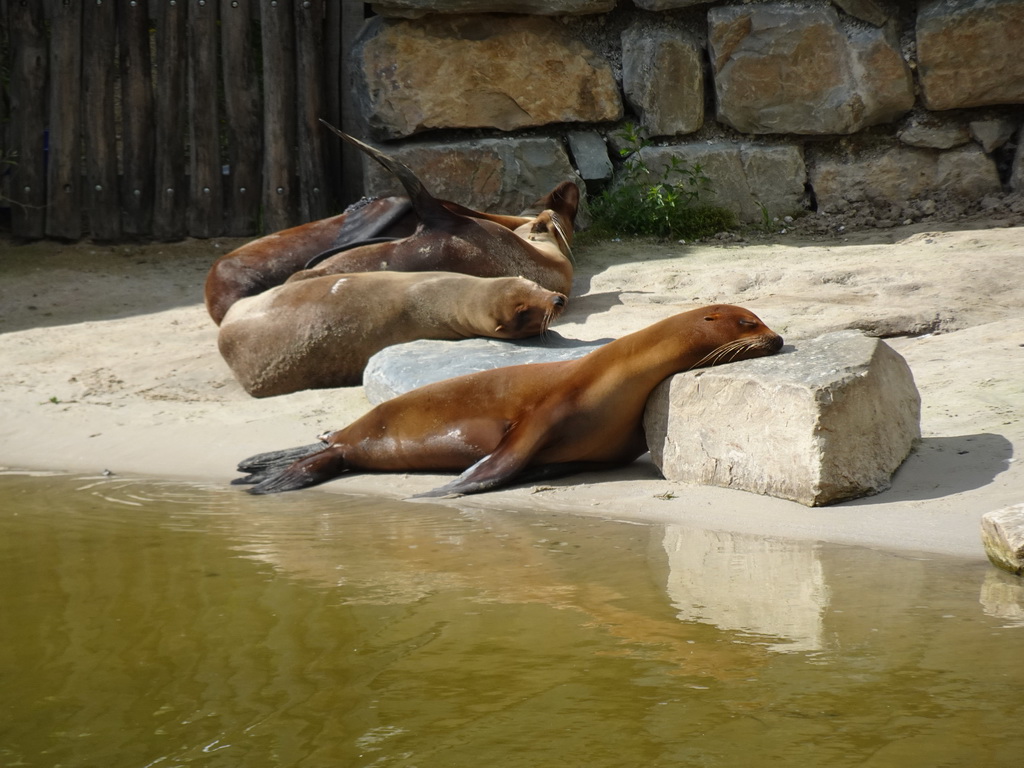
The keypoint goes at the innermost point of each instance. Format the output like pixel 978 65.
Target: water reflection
pixel 755 585
pixel 150 623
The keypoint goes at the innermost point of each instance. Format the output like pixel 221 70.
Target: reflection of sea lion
pixel 510 424
pixel 319 333
pixel 538 249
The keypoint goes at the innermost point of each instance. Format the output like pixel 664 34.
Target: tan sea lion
pixel 321 332
pixel 525 421
pixel 539 249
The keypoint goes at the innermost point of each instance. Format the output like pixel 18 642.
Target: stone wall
pixel 902 108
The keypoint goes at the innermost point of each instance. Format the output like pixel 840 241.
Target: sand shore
pixel 110 363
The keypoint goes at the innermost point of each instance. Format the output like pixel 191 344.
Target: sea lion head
pixel 525 308
pixel 731 333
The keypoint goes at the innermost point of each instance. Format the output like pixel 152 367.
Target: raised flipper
pixel 426 205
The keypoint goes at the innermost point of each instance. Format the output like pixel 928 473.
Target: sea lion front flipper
pixel 505 463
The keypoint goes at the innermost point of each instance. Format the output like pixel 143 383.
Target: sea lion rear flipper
pixel 262 465
pixel 326 464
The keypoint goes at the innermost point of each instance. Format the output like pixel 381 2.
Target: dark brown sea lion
pixel 525 421
pixel 539 249
pixel 321 332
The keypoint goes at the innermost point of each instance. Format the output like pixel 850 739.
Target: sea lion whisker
pixel 717 355
pixel 563 239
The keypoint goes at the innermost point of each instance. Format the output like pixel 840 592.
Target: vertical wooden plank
pixel 278 38
pixel 171 190
pixel 352 18
pixel 99 38
pixel 309 65
pixel 243 109
pixel 206 200
pixel 137 117
pixel 29 64
pixel 5 117
pixel 64 164
pixel 332 99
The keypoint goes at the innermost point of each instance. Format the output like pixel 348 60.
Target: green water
pixel 157 624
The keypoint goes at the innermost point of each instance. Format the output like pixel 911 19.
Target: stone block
pixel 411 9
pixel 992 134
pixel 743 176
pixel 865 10
pixel 496 175
pixel 398 369
pixel 666 5
pixel 902 173
pixel 471 72
pixel 1002 534
pixel 790 68
pixel 590 154
pixel 968 53
pixel 829 420
pixel 663 79
pixel 934 135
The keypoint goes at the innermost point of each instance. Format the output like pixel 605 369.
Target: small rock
pixel 1002 533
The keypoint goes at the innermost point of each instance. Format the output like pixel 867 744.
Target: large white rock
pixel 829 420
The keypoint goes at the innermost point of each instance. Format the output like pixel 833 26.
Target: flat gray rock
pixel 402 367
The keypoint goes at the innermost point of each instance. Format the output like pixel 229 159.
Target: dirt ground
pixel 110 363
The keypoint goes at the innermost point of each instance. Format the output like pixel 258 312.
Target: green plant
pixel 664 204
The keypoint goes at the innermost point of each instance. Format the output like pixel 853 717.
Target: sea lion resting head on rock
pixel 522 422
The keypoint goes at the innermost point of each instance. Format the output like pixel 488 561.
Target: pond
pixel 151 623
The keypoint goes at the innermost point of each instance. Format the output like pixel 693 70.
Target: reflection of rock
pixel 748 583
pixel 1003 598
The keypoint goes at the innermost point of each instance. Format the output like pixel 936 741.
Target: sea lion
pixel 525 421
pixel 539 249
pixel 321 332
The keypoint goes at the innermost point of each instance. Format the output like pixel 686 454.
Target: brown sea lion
pixel 539 249
pixel 321 332
pixel 525 421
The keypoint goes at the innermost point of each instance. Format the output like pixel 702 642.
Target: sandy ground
pixel 110 363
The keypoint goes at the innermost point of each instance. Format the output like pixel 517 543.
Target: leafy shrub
pixel 649 204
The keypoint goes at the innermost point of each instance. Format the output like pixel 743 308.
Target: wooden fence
pixel 164 119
